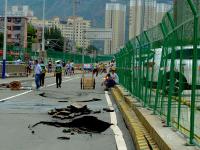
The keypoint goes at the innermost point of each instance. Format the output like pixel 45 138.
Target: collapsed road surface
pixel 47 119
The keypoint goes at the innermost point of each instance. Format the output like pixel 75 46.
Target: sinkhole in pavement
pixel 77 118
pixel 85 123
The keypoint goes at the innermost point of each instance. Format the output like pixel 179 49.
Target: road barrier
pixel 13 70
pixel 161 67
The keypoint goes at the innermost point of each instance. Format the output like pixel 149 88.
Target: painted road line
pixel 62 81
pixel 121 145
pixel 5 99
pixel 24 93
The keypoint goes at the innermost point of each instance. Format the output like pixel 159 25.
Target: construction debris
pixel 70 112
pixel 15 85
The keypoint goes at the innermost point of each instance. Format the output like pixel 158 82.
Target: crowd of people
pixel 111 78
pixel 40 69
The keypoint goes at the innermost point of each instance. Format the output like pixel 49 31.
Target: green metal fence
pixel 161 67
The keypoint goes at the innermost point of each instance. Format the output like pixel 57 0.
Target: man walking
pixel 37 72
pixel 43 73
pixel 58 73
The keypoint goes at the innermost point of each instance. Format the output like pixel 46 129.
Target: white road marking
pixel 121 145
pixel 14 96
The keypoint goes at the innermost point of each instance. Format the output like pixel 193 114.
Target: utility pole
pixel 5 42
pixel 75 2
pixel 43 26
pixel 142 16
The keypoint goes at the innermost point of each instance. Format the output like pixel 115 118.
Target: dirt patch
pixel 85 123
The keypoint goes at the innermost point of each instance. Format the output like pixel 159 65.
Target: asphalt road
pixel 25 108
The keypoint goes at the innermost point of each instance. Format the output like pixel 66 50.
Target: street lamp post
pixel 4 42
pixel 43 26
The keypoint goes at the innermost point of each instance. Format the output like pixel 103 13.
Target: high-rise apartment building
pixel 20 11
pixel 115 18
pixel 145 14
pixel 149 13
pixel 135 18
pixel 16 31
pixel 75 28
pixel 161 10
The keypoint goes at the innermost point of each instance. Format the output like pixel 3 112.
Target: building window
pixel 16 28
pixel 9 19
pixel 9 36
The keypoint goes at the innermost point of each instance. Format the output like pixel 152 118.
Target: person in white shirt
pixel 37 71
pixel 72 67
pixel 114 76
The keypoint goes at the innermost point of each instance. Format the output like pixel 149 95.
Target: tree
pixel 31 35
pixel 54 38
pixel 91 48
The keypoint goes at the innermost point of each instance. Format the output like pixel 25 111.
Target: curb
pixel 148 121
pixel 140 136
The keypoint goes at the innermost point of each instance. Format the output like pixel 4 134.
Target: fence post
pixel 194 71
pixel 171 84
pixel 140 68
pixel 159 83
pixel 147 68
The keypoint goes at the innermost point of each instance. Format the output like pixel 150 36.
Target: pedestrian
pixel 67 68
pixel 37 72
pixel 109 82
pixel 58 74
pixel 95 69
pixel 49 66
pixel 72 67
pixel 43 73
pixel 114 75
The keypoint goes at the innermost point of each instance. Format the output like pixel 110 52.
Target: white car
pixel 186 74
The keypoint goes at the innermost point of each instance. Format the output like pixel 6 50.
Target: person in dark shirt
pixel 58 74
pixel 109 82
pixel 42 77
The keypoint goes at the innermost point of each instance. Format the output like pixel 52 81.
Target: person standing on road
pixel 58 74
pixel 50 66
pixel 95 69
pixel 43 73
pixel 72 67
pixel 37 71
